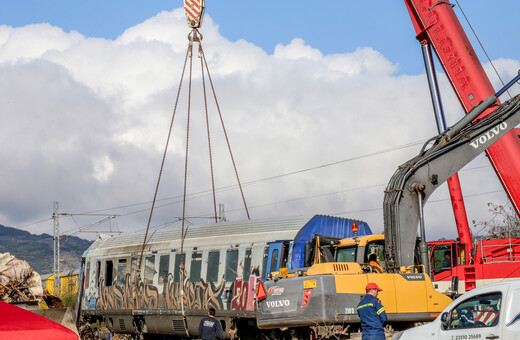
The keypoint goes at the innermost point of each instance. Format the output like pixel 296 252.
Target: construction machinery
pixel 437 26
pixel 326 294
pixel 323 298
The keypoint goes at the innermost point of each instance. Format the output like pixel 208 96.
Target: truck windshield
pixel 347 254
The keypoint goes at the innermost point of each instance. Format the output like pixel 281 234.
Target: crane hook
pixel 194 10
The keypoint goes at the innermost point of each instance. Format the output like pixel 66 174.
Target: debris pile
pixel 51 300
pixel 18 281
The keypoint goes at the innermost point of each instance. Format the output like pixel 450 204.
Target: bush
pixel 70 301
pixel 504 223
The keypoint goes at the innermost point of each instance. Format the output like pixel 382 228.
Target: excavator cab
pixel 320 250
pixel 362 250
pixel 374 255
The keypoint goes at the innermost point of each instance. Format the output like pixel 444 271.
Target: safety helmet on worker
pixel 373 285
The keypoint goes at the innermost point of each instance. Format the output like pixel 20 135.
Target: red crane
pixel 437 25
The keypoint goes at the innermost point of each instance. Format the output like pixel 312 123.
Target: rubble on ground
pixel 51 300
pixel 18 281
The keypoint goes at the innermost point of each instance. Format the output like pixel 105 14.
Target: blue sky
pixel 339 27
pixel 300 85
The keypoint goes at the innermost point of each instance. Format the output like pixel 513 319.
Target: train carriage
pixel 219 266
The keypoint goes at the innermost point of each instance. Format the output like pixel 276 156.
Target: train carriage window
pixel 122 271
pixel 231 265
pixel 180 260
pixel 87 274
pixel 195 267
pixel 98 272
pixel 133 269
pixel 164 263
pixel 213 265
pixel 247 265
pixel 149 269
pixel 109 273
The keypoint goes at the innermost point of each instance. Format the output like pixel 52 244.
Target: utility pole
pixel 56 217
pixel 56 273
pixel 221 212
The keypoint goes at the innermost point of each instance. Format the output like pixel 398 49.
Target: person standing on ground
pixel 210 328
pixel 372 314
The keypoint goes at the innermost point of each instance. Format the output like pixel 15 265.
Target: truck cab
pixel 487 312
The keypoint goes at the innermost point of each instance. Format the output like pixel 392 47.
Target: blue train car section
pixel 219 266
pixel 298 252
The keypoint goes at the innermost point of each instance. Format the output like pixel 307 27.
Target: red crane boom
pixel 436 24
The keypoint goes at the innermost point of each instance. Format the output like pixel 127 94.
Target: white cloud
pixel 85 123
pixel 103 168
pixel 33 41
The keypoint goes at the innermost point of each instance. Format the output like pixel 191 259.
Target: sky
pixel 321 104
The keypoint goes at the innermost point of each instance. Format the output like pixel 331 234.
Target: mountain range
pixel 38 250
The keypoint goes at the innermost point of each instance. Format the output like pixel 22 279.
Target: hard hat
pixel 372 285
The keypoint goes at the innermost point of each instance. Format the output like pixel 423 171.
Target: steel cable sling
pixel 194 36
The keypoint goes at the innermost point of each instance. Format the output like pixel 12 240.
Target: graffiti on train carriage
pixel 244 292
pixel 142 296
pixel 197 295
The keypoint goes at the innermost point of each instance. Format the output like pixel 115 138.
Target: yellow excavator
pixel 321 299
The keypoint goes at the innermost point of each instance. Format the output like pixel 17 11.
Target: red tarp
pixel 19 324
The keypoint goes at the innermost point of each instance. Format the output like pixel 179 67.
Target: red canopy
pixel 20 324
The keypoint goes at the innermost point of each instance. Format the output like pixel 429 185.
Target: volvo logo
pixel 488 135
pixel 278 303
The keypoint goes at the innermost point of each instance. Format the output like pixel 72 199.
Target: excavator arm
pixel 421 176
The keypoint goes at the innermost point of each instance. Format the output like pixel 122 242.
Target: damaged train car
pixel 219 266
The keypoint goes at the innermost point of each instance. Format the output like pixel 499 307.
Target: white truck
pixel 487 312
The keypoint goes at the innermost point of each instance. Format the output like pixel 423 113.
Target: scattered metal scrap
pixel 18 281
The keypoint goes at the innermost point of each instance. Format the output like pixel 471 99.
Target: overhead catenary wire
pixel 204 193
pixel 206 216
pixel 70 233
pixel 169 223
pixel 269 178
pixel 361 210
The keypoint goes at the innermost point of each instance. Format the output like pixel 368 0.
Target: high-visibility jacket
pixel 372 315
pixel 377 267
